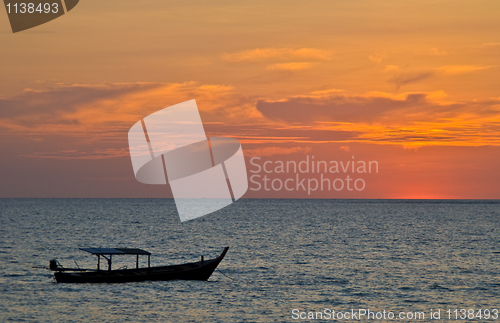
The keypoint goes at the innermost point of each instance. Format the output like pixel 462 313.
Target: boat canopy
pixel 116 251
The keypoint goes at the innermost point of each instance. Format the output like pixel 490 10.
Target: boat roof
pixel 116 251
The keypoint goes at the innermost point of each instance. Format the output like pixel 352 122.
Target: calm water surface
pixel 309 255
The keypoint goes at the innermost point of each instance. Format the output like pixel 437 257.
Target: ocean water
pixel 307 255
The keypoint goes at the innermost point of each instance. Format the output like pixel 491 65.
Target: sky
pixel 413 86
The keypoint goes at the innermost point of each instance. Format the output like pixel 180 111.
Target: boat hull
pixel 200 270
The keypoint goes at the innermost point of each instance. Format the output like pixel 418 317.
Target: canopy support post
pixel 137 262
pixel 98 262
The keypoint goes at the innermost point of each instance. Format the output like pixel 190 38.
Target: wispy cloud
pixel 390 68
pixel 405 78
pixel 75 154
pixel 294 66
pixel 262 54
pixel 377 57
pixel 490 44
pixel 345 148
pixel 437 52
pixel 273 150
pixel 462 69
pixel 409 78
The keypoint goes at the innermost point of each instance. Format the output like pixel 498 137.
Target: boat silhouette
pixel 199 270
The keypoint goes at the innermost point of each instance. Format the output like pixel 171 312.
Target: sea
pixel 290 260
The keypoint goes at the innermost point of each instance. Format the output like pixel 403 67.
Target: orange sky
pixel 412 85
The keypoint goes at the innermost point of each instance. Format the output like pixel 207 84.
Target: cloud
pixel 385 118
pixel 262 54
pixel 273 133
pixel 377 57
pixel 75 154
pixel 416 77
pixel 340 108
pixel 376 108
pixel 327 92
pixel 462 69
pixel 96 118
pixel 437 52
pixel 79 108
pixel 272 151
pixel 409 78
pixel 64 98
pixel 390 68
pixel 295 66
pixel 345 148
pixel 490 44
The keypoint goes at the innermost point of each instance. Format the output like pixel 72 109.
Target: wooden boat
pixel 200 270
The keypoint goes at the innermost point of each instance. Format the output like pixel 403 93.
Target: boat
pixel 200 270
